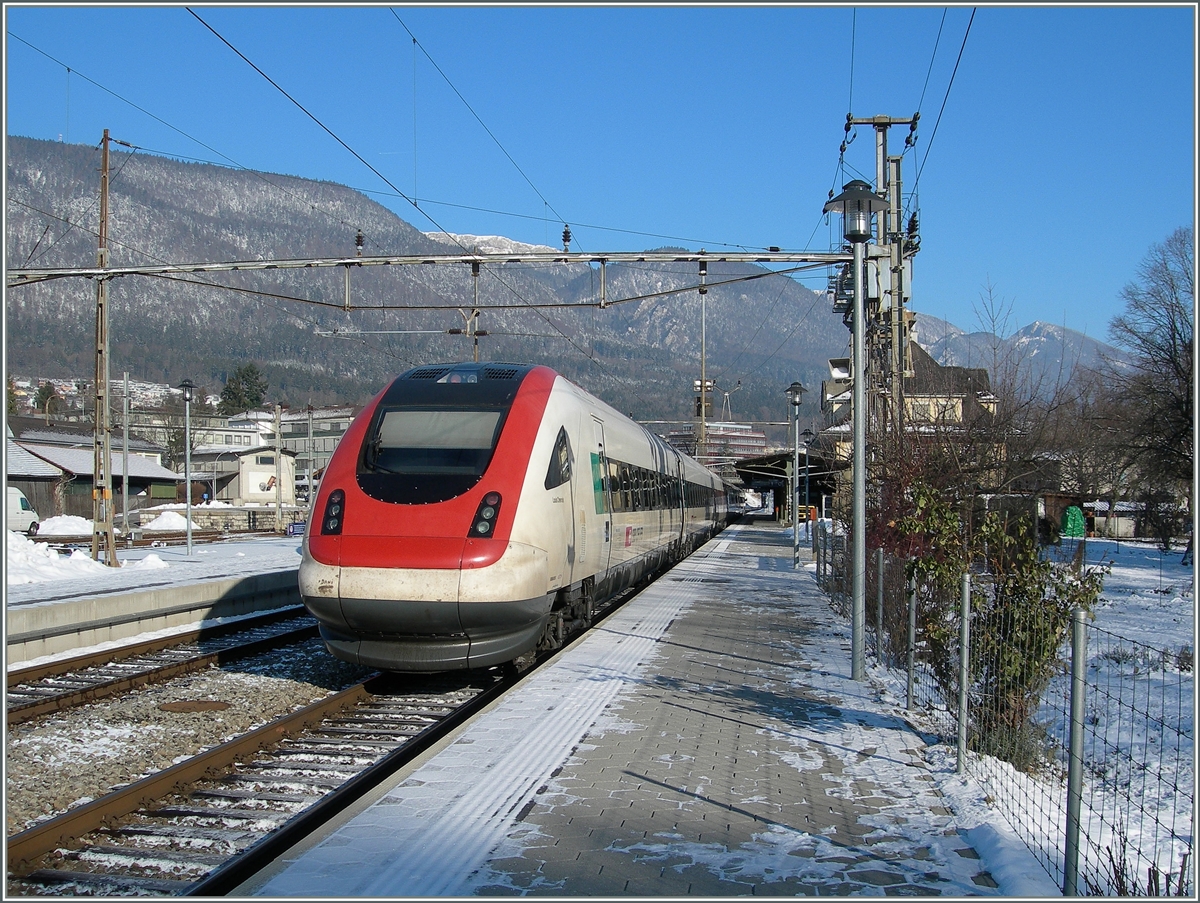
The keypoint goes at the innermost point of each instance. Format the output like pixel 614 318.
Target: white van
pixel 21 516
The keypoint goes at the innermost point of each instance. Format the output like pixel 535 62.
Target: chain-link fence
pixel 1083 739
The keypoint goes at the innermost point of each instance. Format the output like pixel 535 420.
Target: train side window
pixel 614 485
pixel 559 471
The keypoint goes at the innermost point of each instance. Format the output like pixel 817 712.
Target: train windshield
pixel 416 455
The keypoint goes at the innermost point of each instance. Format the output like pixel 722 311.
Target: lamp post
pixel 188 387
pixel 808 437
pixel 856 203
pixel 796 394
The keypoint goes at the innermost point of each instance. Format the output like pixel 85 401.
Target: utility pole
pixel 889 278
pixel 278 468
pixel 309 477
pixel 473 320
pixel 702 437
pixel 125 458
pixel 857 203
pixel 102 516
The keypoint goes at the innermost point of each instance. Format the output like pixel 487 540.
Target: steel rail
pixel 41 839
pixel 66 665
pixel 250 861
pixel 245 864
pixel 27 711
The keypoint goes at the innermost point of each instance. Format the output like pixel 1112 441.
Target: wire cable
pixel 382 177
pixel 937 122
pixel 307 113
pixel 231 162
pixel 932 57
pixel 478 119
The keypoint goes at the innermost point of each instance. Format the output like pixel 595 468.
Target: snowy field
pixel 1148 598
pixel 1139 725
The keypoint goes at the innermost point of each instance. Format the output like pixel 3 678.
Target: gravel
pixel 67 759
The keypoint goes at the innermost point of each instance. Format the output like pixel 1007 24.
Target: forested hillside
pixel 641 356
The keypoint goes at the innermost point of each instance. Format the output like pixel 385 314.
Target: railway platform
pixel 705 740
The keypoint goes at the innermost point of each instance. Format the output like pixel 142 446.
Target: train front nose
pixel 411 565
pixel 432 618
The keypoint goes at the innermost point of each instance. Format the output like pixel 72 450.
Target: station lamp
pixel 856 203
pixel 795 394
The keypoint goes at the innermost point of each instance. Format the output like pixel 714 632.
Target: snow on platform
pixel 704 740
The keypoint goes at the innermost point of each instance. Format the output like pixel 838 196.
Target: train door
pixel 602 499
pixel 561 512
pixel 681 488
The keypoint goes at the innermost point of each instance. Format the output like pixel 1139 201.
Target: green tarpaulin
pixel 1073 524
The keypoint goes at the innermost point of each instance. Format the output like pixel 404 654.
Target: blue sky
pixel 1065 149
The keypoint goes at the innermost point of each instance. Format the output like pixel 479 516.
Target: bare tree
pixel 1154 399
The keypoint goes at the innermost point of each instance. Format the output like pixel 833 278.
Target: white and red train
pixel 474 514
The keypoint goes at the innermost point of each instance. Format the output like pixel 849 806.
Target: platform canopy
pixel 770 472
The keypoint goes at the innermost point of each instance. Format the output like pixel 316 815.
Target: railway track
pixel 40 690
pixel 205 825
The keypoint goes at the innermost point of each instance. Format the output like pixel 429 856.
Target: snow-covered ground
pixel 1148 597
pixel 34 572
pixel 1139 724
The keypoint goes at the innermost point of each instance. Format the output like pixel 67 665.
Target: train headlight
pixel 486 514
pixel 335 514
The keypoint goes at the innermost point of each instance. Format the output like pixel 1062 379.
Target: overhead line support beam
pixel 17 277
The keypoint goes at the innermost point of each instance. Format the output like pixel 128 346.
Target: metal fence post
pixel 819 554
pixel 824 541
pixel 879 608
pixel 912 639
pixel 964 644
pixel 1075 761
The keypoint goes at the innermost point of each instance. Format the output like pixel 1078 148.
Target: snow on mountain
pixel 1043 352
pixel 487 244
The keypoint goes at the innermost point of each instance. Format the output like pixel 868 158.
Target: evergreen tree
pixel 245 390
pixel 45 392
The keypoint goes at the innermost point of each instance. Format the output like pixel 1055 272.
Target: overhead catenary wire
pixel 949 85
pixel 929 71
pixel 478 119
pixel 384 179
pixel 401 194
pixel 230 161
pixel 70 224
pixel 311 116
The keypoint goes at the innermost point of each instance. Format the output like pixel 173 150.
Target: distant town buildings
pixel 234 459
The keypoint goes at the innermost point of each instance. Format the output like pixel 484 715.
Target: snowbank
pixel 33 562
pixel 168 521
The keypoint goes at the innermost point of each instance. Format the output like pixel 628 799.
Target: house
pixel 244 476
pixel 312 434
pixel 38 479
pixel 149 483
pixel 1121 524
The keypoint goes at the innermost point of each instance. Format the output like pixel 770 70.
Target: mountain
pixel 1040 355
pixel 639 355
